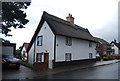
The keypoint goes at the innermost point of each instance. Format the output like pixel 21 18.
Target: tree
pixel 13 15
pixel 18 52
pixel 4 41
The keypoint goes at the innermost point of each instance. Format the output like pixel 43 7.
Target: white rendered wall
pixel 48 42
pixel 80 49
pixel 25 52
pixel 116 49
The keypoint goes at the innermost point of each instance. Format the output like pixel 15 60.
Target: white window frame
pixel 90 44
pixel 39 40
pixel 40 58
pixel 90 55
pixel 68 41
pixel 68 56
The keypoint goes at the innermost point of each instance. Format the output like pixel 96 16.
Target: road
pixel 100 72
pixel 22 73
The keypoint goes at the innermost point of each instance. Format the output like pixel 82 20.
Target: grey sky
pixel 99 16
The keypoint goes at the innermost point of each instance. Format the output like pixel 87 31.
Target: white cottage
pixel 23 51
pixel 115 47
pixel 66 42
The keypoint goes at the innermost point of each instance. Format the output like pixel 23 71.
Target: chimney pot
pixel 69 14
pixel 70 18
pixel 115 40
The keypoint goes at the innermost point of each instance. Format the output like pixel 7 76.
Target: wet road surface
pixel 16 74
pixel 101 72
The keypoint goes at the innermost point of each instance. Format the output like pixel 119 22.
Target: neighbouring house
pixel 61 42
pixel 115 47
pixel 23 52
pixel 8 48
pixel 103 47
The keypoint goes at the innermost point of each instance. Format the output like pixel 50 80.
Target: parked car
pixel 10 61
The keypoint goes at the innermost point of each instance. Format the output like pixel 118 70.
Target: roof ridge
pixel 101 40
pixel 64 22
pixel 63 28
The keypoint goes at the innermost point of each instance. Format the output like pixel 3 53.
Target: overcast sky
pixel 99 16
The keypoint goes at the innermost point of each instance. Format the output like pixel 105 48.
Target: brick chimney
pixel 115 40
pixel 70 18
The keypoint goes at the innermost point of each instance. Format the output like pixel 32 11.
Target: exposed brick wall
pixel 39 66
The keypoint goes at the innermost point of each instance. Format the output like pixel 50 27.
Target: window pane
pixel 67 56
pixel 90 44
pixel 39 57
pixel 68 41
pixel 23 52
pixel 90 55
pixel 39 40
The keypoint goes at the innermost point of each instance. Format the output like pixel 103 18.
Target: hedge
pixel 111 57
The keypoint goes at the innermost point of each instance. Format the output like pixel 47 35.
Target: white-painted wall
pixel 48 44
pixel 115 48
pixel 25 52
pixel 80 49
pixel 7 50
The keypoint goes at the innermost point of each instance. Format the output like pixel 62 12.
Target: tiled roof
pixel 25 45
pixel 100 40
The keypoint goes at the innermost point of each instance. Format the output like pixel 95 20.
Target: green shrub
pixel 27 64
pixel 109 58
pixel 103 55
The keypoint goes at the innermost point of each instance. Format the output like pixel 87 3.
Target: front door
pixel 46 59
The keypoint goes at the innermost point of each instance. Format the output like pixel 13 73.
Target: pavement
pixel 69 68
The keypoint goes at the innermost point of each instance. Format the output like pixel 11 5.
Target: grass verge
pixel 27 64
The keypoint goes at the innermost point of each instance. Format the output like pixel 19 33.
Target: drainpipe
pixel 53 61
pixel 34 51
